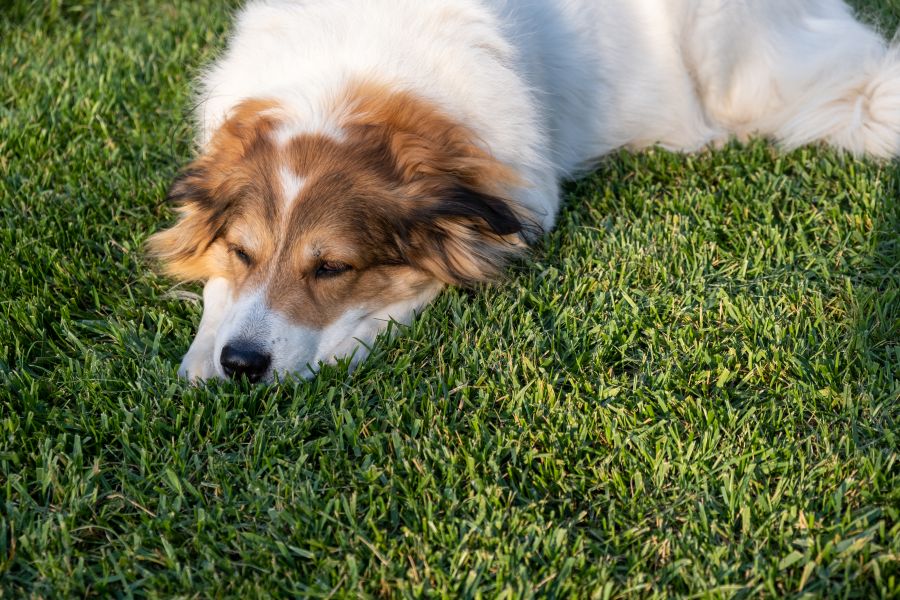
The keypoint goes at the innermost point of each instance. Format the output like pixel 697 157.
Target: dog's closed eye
pixel 241 255
pixel 332 268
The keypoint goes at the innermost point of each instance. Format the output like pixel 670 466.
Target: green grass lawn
pixel 690 387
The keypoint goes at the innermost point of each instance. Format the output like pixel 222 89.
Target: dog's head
pixel 326 237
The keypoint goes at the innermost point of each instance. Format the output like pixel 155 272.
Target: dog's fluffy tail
pixel 857 112
pixel 799 71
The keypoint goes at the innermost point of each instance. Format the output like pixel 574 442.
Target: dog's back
pixel 686 73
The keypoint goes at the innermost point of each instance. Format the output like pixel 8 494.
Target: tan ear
pixel 206 192
pixel 459 227
pixel 185 248
pixel 464 237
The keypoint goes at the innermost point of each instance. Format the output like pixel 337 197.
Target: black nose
pixel 244 359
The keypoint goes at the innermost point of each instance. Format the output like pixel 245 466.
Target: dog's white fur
pixel 548 87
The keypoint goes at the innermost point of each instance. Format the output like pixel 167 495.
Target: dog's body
pixel 357 155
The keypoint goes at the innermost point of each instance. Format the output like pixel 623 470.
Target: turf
pixel 689 389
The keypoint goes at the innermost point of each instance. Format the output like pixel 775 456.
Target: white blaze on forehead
pixel 314 125
pixel 291 184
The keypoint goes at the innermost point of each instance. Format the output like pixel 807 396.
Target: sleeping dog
pixel 356 156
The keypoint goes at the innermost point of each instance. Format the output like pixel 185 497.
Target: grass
pixel 690 389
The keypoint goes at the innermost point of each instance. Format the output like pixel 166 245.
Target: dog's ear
pixel 184 248
pixel 456 223
pixel 464 236
pixel 206 193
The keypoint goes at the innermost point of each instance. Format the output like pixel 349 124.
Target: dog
pixel 356 156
